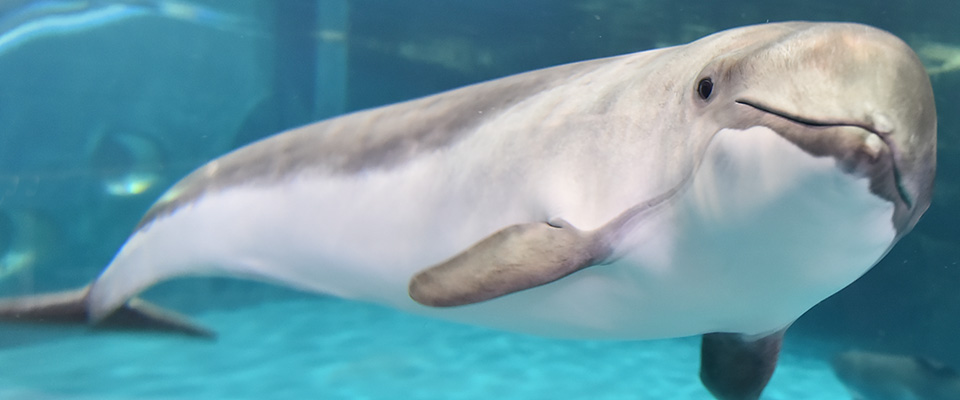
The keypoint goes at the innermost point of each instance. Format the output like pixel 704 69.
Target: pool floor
pixel 322 348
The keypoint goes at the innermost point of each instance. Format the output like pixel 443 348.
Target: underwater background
pixel 104 104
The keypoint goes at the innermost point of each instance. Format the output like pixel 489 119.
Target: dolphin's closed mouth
pixel 884 136
pixel 808 121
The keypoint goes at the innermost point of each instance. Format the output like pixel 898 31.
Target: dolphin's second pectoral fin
pixel 736 367
pixel 515 258
pixel 70 307
pixel 140 315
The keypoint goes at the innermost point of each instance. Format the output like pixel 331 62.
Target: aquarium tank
pixel 106 104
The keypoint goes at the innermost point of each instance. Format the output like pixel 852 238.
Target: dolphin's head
pixel 847 91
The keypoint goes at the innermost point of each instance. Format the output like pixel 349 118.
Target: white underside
pixel 764 232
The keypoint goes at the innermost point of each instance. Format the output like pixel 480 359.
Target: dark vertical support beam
pixel 333 23
pixel 295 60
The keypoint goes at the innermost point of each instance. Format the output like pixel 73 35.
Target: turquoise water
pixel 104 104
pixel 334 349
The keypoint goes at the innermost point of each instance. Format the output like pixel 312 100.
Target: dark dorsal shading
pixel 374 139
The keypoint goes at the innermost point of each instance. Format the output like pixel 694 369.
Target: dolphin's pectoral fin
pixel 734 367
pixel 524 256
pixel 515 258
pixel 70 307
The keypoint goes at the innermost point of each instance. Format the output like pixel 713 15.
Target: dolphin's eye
pixel 705 88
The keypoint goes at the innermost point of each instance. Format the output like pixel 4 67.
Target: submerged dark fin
pixel 140 315
pixel 70 307
pixel 936 368
pixel 515 258
pixel 734 367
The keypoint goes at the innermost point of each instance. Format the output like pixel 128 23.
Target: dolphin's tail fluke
pixel 70 307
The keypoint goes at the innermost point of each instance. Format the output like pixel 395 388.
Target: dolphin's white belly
pixel 761 220
pixel 765 232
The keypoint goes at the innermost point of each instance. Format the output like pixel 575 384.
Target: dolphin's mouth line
pixel 897 175
pixel 809 121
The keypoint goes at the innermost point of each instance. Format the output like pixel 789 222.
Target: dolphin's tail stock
pixel 70 307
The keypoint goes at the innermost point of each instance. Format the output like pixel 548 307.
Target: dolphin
pixel 878 376
pixel 22 21
pixel 721 188
pixel 128 164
